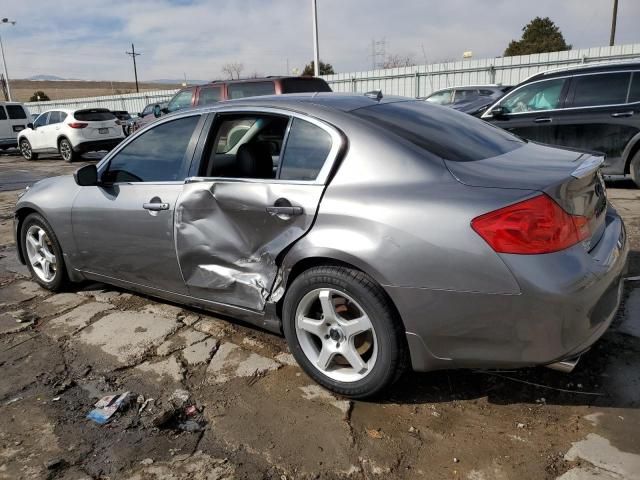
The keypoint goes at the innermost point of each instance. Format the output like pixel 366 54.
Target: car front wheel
pixel 342 330
pixel 26 150
pixel 43 253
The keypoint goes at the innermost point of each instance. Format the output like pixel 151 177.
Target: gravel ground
pixel 255 414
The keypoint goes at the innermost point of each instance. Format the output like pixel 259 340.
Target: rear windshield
pixel 251 89
pixel 95 115
pixel 442 131
pixel 301 85
pixel 16 112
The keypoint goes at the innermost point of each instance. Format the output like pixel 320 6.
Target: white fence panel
pixel 416 81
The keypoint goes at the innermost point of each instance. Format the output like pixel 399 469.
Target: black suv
pixel 595 108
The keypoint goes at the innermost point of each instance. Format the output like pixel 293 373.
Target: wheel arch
pixel 632 148
pixel 20 215
pixel 60 138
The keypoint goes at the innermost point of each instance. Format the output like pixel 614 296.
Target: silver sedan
pixel 375 233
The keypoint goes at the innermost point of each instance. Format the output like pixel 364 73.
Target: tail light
pixel 534 226
pixel 78 124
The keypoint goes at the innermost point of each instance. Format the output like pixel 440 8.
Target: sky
pixel 87 39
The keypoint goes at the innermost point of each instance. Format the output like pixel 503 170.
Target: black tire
pixel 389 333
pixel 26 150
pixel 66 151
pixel 634 169
pixel 60 280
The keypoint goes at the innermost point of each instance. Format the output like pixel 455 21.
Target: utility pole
pixel 4 61
pixel 316 53
pixel 133 55
pixel 614 19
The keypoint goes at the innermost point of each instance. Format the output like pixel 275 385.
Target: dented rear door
pixel 228 242
pixel 230 231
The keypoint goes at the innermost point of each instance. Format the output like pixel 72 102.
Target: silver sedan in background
pixel 375 233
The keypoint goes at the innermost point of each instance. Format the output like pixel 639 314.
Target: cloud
pixel 88 38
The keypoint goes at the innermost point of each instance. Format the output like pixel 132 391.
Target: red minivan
pixel 198 95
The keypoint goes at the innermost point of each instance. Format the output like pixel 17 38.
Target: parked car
pixel 70 133
pixel 208 94
pixel 125 120
pixel 592 108
pixel 376 233
pixel 472 99
pixel 13 118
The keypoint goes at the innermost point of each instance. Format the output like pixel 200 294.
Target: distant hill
pixel 43 77
pixel 178 81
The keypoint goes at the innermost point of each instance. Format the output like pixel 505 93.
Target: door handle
pixel 622 114
pixel 543 120
pixel 284 211
pixel 155 207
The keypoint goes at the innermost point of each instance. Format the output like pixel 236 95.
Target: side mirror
pixel 157 111
pixel 30 125
pixel 498 112
pixel 86 176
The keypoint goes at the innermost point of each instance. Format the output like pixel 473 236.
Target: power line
pixel 133 55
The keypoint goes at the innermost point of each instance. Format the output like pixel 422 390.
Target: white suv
pixel 70 133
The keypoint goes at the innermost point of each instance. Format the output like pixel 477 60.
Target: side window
pixel 535 97
pixel 465 95
pixel 442 98
pixel 155 156
pixel 209 95
pixel 16 112
pixel 602 89
pixel 244 146
pixel 180 100
pixel 634 92
pixel 250 89
pixel 54 117
pixel 3 113
pixel 307 148
pixel 63 116
pixel 41 120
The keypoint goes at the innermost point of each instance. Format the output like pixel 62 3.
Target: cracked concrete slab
pixel 168 367
pixel 286 359
pixel 588 473
pixel 232 361
pixel 598 451
pixel 105 295
pixel 631 323
pixel 200 352
pixel 317 393
pixel 180 340
pixel 128 335
pixel 76 319
pixel 13 322
pixel 162 309
pixel 59 303
pixel 198 466
pixel 19 292
pixel 211 326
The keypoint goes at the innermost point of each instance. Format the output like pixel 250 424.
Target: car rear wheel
pixel 26 150
pixel 634 168
pixel 66 151
pixel 343 332
pixel 43 254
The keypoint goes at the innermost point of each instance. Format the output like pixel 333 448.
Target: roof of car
pixel 585 68
pixel 345 102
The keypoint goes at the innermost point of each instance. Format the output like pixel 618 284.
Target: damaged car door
pixel 256 191
pixel 124 226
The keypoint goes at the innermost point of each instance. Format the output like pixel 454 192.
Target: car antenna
pixel 375 94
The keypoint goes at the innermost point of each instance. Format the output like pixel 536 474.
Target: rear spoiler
pixel 589 166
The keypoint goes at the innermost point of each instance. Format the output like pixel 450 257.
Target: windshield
pixel 449 134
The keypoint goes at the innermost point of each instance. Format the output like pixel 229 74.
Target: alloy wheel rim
pixel 65 149
pixel 336 335
pixel 40 253
pixel 25 149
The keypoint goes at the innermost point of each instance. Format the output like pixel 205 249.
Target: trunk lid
pixel 571 178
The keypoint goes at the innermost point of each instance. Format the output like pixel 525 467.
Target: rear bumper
pixel 95 145
pixel 567 301
pixel 8 142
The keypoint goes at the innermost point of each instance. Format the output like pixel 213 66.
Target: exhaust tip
pixel 566 365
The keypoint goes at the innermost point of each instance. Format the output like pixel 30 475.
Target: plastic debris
pixel 456 460
pixel 106 407
pixel 55 399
